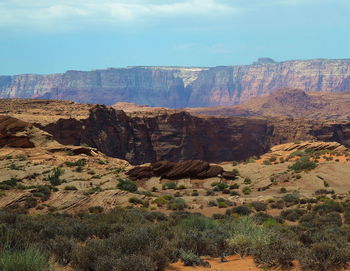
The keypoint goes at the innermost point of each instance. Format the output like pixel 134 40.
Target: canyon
pixel 177 87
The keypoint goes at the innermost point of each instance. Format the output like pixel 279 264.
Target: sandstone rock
pixel 182 136
pixel 176 170
pixel 229 175
pixel 182 87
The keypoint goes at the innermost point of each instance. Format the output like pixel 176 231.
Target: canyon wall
pixel 181 136
pixel 176 87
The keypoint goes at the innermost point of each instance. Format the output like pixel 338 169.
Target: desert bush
pixel 62 249
pixel 170 185
pixel 127 185
pixel 277 252
pixel 291 199
pixel 325 257
pixel 259 206
pixel 133 262
pixel 292 214
pixel 244 235
pixel 246 190
pixel 54 177
pixel 220 186
pixel 324 192
pixel 241 210
pixel 247 180
pixel 30 202
pixel 178 204
pixel 303 163
pixel 328 207
pixel 26 260
pixel 191 259
pixel 283 190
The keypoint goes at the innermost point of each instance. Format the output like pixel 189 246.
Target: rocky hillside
pixel 181 87
pixel 169 135
pixel 294 103
pixel 182 136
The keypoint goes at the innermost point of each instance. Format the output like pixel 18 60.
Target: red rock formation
pixel 181 136
pixel 174 171
pixel 14 133
pixel 182 87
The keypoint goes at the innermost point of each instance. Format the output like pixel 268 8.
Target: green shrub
pixel 62 249
pixel 241 210
pixel 30 202
pixel 292 214
pixel 246 190
pixel 9 184
pixel 42 191
pixel 283 190
pixel 291 199
pixel 328 207
pixel 54 178
pixel 303 163
pixel 325 256
pixel 247 180
pixel 259 206
pixel 191 259
pixel 27 260
pixel 277 252
pixel 245 235
pixel 176 204
pixel 127 185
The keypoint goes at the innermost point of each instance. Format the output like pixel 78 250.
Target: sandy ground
pixel 234 264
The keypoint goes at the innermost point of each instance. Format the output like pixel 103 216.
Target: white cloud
pixel 59 13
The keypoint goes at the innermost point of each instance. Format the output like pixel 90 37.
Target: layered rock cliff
pixel 181 136
pixel 182 87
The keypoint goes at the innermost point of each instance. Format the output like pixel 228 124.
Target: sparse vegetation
pixel 127 185
pixel 303 163
pixel 54 177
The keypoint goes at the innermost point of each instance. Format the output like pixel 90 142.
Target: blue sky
pixel 50 36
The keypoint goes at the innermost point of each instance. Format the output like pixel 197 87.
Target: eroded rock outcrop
pixel 182 87
pixel 182 136
pixel 176 170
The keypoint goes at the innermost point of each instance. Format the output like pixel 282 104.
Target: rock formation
pixel 294 103
pixel 182 136
pixel 176 170
pixel 182 87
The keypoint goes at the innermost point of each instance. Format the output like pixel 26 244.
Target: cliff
pixel 181 136
pixel 182 87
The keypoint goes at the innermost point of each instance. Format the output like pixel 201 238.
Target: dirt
pixel 234 263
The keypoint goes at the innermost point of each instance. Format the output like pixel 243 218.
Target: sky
pixel 52 36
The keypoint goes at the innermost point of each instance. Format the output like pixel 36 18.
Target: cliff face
pixel 181 87
pixel 181 136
